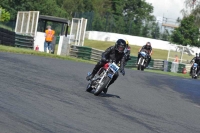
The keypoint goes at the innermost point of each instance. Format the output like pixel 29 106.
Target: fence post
pixel 165 65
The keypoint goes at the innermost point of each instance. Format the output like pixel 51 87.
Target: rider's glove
pixel 104 59
pixel 123 72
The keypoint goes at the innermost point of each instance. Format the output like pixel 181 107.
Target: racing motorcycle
pixel 142 60
pixel 194 71
pixel 102 78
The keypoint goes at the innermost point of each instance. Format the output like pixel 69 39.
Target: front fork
pixel 142 61
pixel 103 76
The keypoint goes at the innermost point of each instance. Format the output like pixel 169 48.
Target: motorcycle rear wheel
pixel 89 88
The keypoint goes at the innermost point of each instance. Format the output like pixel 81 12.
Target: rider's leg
pixel 111 82
pixel 190 70
pixel 198 71
pixel 95 70
pixel 148 61
pixel 138 57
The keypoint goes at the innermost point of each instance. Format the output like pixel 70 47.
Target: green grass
pixel 38 53
pixel 157 53
pixel 5 27
pixel 169 73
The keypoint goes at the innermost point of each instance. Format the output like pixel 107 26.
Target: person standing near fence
pixel 175 64
pixel 176 59
pixel 49 36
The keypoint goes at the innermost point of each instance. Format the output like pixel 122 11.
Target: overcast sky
pixel 167 8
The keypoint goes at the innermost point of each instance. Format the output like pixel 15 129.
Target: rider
pixel 127 51
pixel 148 48
pixel 196 59
pixel 114 53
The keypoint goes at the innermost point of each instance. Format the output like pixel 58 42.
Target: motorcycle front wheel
pixel 140 65
pixel 102 85
pixel 194 74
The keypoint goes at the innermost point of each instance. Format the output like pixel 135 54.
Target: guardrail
pixel 92 54
pixel 7 37
pixel 10 38
pixel 24 41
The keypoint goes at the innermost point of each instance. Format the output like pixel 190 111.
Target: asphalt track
pixel 45 95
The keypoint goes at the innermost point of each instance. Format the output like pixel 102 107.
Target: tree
pixel 48 7
pixel 192 7
pixel 154 30
pixel 187 33
pixel 120 16
pixel 166 35
pixel 138 11
pixel 4 15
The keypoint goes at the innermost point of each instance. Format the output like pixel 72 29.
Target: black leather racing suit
pixel 111 54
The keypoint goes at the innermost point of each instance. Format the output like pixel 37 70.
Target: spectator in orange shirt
pixel 176 59
pixel 49 36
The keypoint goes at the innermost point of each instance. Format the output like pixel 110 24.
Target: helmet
pixel 148 44
pixel 127 43
pixel 120 45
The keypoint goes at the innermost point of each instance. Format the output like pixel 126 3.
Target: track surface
pixel 44 95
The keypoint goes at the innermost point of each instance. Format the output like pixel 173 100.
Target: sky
pixel 167 8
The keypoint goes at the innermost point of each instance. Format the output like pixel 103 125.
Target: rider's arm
pixel 150 53
pixel 122 63
pixel 141 48
pixel 192 60
pixel 107 52
pixel 128 51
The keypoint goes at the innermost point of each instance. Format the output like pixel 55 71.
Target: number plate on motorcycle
pixel 114 67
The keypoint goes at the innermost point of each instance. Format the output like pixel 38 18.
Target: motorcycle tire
pixel 101 87
pixel 140 67
pixel 139 64
pixel 193 74
pixel 89 88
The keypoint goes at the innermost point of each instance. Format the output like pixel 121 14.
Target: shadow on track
pixel 106 95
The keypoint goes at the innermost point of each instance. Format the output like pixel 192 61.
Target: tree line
pixel 133 17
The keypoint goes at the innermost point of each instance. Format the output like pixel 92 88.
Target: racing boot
pixel 191 71
pixel 147 64
pixel 91 76
pixel 105 90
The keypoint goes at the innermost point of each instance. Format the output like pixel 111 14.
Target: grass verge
pixel 169 73
pixel 37 53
